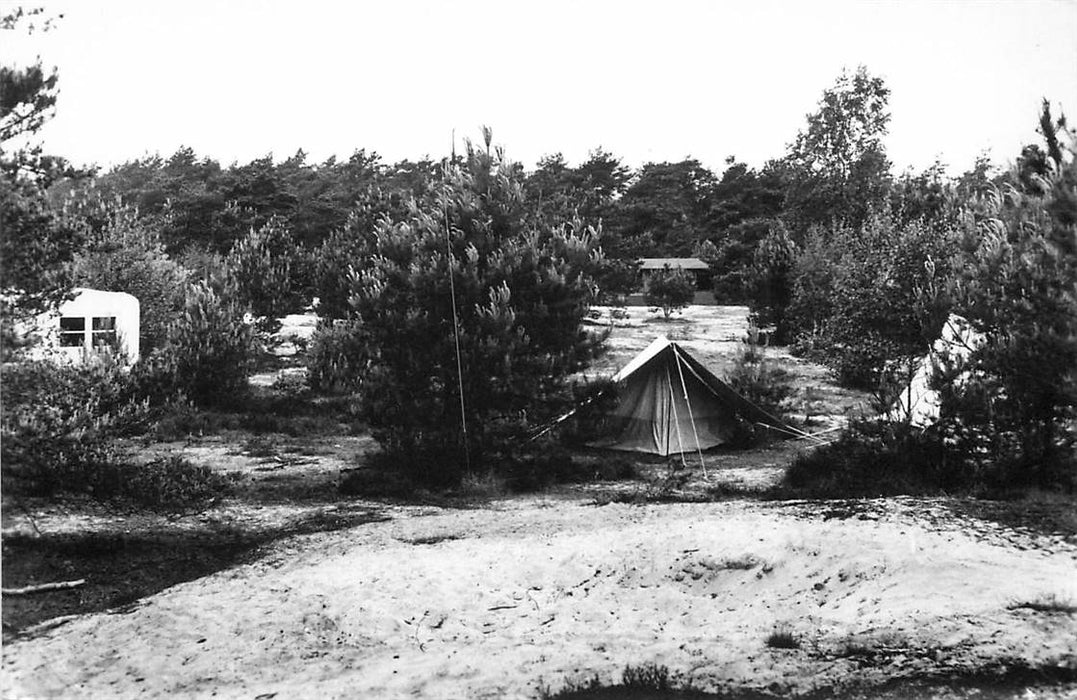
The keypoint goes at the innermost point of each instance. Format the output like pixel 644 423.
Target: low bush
pixel 669 290
pixel 766 386
pixel 526 470
pixel 874 458
pixel 647 681
pixel 207 354
pixel 649 676
pixel 331 358
pixel 541 466
pixel 782 638
pixel 880 458
pixel 59 422
pixel 1047 603
pixel 169 482
pixel 487 484
pixel 179 419
pixel 291 385
pixel 59 434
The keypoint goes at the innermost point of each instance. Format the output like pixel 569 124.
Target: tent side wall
pixel 738 404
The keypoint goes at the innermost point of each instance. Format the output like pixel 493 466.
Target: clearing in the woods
pixel 290 589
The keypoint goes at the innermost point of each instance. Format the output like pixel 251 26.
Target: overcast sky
pixel 648 81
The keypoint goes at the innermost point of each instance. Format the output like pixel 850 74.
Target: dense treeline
pixel 835 254
pixel 834 173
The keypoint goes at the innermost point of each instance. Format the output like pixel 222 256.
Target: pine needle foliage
pixel 520 292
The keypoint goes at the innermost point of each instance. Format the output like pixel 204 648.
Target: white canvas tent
pixel 668 403
pixel 918 403
pixel 89 323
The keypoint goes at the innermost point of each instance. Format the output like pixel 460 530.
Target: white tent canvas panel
pixel 919 403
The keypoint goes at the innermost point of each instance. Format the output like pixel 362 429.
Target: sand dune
pixel 494 602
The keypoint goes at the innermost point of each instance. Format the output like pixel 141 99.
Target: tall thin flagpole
pixel 456 330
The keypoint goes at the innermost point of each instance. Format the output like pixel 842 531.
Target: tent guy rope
pixel 691 417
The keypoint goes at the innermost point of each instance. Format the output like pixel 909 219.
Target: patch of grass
pixel 1048 603
pixel 649 676
pixel 573 688
pixel 488 484
pixel 725 490
pixel 782 638
pixel 677 490
pixel 647 681
pixel 261 411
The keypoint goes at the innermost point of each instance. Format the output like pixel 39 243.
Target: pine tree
pixel 463 275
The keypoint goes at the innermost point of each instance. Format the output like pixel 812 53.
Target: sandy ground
pixel 494 602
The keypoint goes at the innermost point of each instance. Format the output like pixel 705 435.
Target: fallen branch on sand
pixel 41 588
pixel 40 627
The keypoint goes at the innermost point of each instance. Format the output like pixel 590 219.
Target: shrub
pixel 616 279
pixel 1047 603
pixel 770 283
pixel 463 307
pixel 879 459
pixel 169 482
pixel 1016 286
pixel 207 354
pixel 59 422
pixel 292 385
pixel 649 676
pixel 669 290
pixel 731 259
pixel 766 386
pixel 128 256
pixel 865 297
pixel 333 352
pixel 648 680
pixel 260 270
pixel 782 638
pixel 58 434
pixel 536 467
pixel 488 484
pixel 176 418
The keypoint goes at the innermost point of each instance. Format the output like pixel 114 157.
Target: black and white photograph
pixel 560 350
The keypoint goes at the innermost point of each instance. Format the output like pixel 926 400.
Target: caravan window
pixel 104 331
pixel 72 330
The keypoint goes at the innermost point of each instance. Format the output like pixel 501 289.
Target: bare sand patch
pixel 491 603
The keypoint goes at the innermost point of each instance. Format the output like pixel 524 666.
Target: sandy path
pixel 493 602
